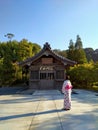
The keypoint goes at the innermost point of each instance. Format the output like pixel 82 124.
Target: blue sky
pixel 53 21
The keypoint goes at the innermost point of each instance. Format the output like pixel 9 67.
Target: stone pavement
pixel 41 110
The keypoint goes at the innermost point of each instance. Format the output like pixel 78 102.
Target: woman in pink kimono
pixel 67 89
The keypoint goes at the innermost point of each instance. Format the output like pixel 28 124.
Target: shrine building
pixel 46 69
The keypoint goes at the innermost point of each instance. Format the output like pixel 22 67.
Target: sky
pixel 52 21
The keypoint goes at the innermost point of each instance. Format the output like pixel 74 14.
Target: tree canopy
pixel 12 52
pixel 76 51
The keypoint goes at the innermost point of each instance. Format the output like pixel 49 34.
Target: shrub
pixel 83 76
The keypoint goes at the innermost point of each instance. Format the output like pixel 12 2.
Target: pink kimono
pixel 66 89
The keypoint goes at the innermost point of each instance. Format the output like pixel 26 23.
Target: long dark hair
pixel 67 77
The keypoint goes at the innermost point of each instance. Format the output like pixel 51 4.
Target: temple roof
pixel 47 51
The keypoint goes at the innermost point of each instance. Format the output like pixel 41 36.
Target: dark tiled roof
pixel 45 48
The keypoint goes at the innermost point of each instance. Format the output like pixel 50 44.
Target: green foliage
pixel 25 50
pixel 9 36
pixel 80 56
pixel 71 51
pixel 78 44
pixel 6 72
pixel 76 51
pixel 84 75
pixel 95 71
pixel 12 52
pixel 35 48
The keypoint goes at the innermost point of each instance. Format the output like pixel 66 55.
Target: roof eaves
pixel 64 59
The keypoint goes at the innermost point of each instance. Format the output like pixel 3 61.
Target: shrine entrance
pixel 47 75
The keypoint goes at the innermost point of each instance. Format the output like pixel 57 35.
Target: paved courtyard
pixel 41 110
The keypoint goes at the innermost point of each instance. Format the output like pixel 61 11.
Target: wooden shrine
pixel 47 69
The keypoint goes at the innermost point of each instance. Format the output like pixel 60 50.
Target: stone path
pixel 42 111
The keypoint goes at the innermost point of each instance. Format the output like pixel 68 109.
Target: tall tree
pixel 78 44
pixel 6 65
pixel 35 48
pixel 71 50
pixel 76 51
pixel 25 49
pixel 12 52
pixel 9 36
pixel 71 45
pixel 80 55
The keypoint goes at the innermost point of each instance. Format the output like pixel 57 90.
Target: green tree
pixel 12 52
pixel 82 75
pixel 76 51
pixel 80 55
pixel 35 48
pixel 25 50
pixel 78 44
pixel 7 68
pixel 9 36
pixel 71 50
pixel 96 71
